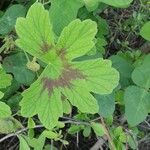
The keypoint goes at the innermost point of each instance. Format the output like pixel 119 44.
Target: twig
pixel 39 126
pixel 107 134
pixel 18 132
pixel 78 139
pixel 96 119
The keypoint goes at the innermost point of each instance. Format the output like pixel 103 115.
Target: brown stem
pixel 107 134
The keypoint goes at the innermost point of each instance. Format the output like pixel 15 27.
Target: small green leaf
pixel 64 142
pixel 8 20
pixel 38 143
pixel 132 141
pixel 141 76
pixel 13 101
pixel 98 129
pixel 50 134
pixel 23 144
pixel 4 110
pixel 61 124
pixel 11 90
pixel 118 131
pixel 87 131
pixel 31 123
pixel 124 67
pixel 123 137
pixel 8 125
pixel 16 64
pixel 137 104
pixel 75 128
pixel 106 104
pixel 50 147
pixel 5 79
pixel 66 9
pixel 145 31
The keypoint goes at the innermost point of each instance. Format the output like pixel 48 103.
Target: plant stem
pixel 18 132
pixel 40 126
pixel 108 135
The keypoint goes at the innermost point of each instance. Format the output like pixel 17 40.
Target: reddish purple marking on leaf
pixel 68 74
pixel 45 47
pixel 63 81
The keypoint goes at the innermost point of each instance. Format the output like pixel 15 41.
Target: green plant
pixel 63 79
pixel 56 86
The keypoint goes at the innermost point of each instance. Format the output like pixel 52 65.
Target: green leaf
pixel 4 110
pixel 98 129
pixel 38 143
pixel 132 141
pixel 141 76
pixel 91 5
pixel 124 67
pixel 7 22
pixel 101 42
pixel 50 134
pixel 77 38
pixel 31 123
pixel 16 64
pixel 5 79
pixel 66 9
pixel 38 100
pixel 66 106
pixel 74 80
pixel 13 101
pixel 117 3
pixel 50 147
pixel 87 131
pixel 146 60
pixel 11 90
pixel 106 104
pixel 23 144
pixel 75 128
pixel 103 28
pixel 118 131
pixel 145 32
pixel 35 33
pixel 137 104
pixel 101 78
pixel 8 125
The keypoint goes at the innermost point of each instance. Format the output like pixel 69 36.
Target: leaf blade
pixel 35 37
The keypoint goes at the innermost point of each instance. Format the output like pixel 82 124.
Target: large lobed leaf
pixel 62 78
